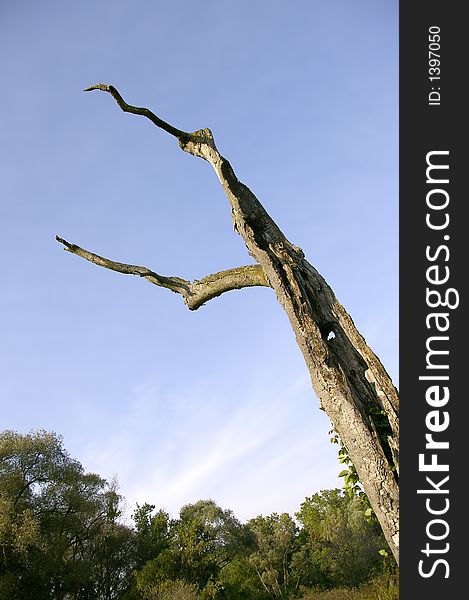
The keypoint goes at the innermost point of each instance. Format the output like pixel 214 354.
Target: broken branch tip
pixel 67 245
pixel 97 86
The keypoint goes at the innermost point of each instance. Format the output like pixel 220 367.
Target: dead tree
pixel 350 382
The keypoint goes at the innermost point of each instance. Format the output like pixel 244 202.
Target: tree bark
pixel 350 382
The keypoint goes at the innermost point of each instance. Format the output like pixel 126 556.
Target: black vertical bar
pixel 433 274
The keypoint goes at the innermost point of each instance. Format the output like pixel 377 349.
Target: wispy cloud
pixel 254 448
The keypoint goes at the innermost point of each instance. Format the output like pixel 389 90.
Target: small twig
pixel 182 136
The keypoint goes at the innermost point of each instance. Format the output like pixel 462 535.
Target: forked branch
pixel 195 293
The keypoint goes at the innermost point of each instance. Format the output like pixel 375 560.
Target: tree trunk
pixel 350 382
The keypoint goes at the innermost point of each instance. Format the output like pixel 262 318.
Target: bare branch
pixel 247 211
pixel 199 143
pixel 233 279
pixel 136 110
pixel 194 293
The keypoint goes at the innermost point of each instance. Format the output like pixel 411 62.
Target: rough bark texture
pixel 352 385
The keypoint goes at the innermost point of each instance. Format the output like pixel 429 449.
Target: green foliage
pixel 61 537
pixel 240 580
pixel 352 483
pixel 193 548
pixel 171 590
pixel 350 475
pixel 152 533
pixel 276 542
pixel 344 544
pixel 59 534
pixel 385 587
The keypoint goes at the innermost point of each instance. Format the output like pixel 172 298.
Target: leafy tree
pixel 214 535
pixel 113 555
pixel 343 546
pixel 193 548
pixel 171 590
pixel 157 553
pixel 59 536
pixel 276 543
pixel 240 580
pixel 152 532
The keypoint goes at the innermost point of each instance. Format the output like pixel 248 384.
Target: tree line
pixel 63 536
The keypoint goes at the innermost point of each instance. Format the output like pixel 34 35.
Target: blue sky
pixel 302 98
